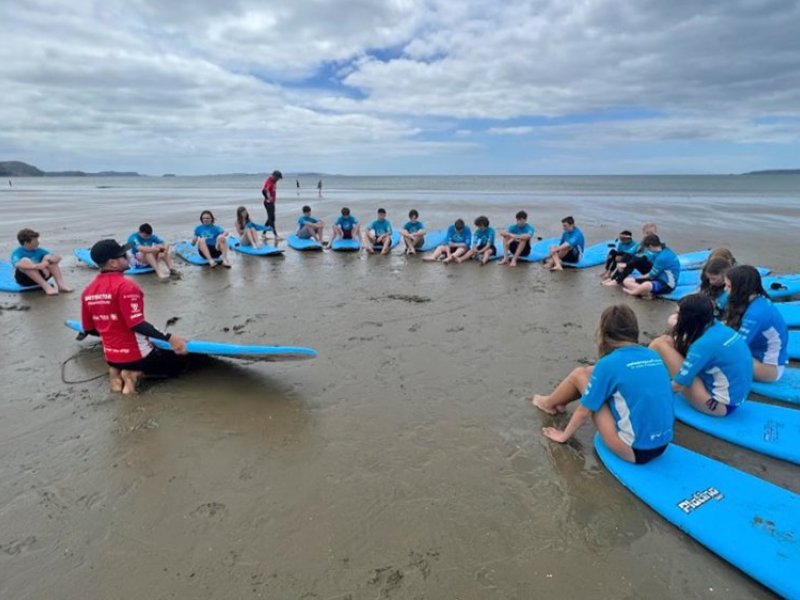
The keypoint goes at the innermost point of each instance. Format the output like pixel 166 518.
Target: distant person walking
pixel 319 188
pixel 269 191
pixel 297 183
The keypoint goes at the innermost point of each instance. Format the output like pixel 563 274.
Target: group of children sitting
pixel 460 242
pixel 721 339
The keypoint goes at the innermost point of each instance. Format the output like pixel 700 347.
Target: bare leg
pixel 506 242
pixel 151 260
pixel 606 425
pixel 436 254
pixel 636 289
pixel 571 388
pixel 55 271
pixel 115 382
pixel 764 372
pixel 202 248
pixel 130 380
pixel 36 276
pixel 222 246
pixel 167 258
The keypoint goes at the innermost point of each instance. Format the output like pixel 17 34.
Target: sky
pixel 401 87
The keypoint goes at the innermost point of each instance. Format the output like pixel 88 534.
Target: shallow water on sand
pixel 404 462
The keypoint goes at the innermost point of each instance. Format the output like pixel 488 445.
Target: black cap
pixel 105 250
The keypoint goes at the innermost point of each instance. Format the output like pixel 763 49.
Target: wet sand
pixel 404 462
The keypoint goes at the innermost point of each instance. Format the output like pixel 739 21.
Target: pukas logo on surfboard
pixel 699 498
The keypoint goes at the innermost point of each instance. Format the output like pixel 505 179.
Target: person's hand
pixel 178 344
pixel 554 434
pixel 676 387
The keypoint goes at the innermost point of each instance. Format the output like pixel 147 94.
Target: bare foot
pixel 226 264
pixel 130 380
pixel 64 289
pixel 503 262
pixel 50 291
pixel 627 291
pixel 513 263
pixel 115 382
pixel 541 402
pixel 428 258
pixel 555 268
pixel 609 283
pixel 212 263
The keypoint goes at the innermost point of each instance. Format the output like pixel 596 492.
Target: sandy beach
pixel 404 462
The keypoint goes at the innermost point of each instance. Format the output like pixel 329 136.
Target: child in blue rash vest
pixel 379 236
pixel 483 247
pixel 570 247
pixel 248 231
pixel 413 232
pixel 34 265
pixel 210 240
pixel 709 362
pixel 627 393
pixel 346 227
pixel 147 249
pixel 636 261
pixel 624 248
pixel 662 278
pixel 751 313
pixel 457 241
pixel 309 227
pixel 517 240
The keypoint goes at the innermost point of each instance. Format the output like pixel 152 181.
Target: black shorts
pixel 347 234
pixel 645 456
pixel 573 256
pixel 22 278
pixel 492 249
pixel 159 363
pixel 512 248
pixel 212 250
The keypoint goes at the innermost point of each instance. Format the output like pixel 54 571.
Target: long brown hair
pixel 240 220
pixel 695 314
pixel 745 282
pixel 618 324
pixel 714 266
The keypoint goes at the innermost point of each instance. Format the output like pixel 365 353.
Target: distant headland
pixel 775 172
pixel 15 168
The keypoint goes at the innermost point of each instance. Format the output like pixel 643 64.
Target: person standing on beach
pixel 319 188
pixel 270 193
pixel 112 306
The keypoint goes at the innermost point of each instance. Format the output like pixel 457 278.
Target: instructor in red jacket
pixel 112 306
pixel 269 191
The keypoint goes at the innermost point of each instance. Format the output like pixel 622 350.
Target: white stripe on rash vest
pixel 625 432
pixel 722 387
pixel 774 346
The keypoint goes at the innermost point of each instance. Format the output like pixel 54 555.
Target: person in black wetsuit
pixel 639 261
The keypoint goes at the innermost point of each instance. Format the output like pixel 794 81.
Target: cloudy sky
pixel 401 86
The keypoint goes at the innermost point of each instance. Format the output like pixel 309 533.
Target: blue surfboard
pixel 776 286
pixel 781 286
pixel 432 240
pixel 794 345
pixel 188 252
pixel 303 245
pixel 395 241
pixel 263 250
pixel 749 522
pixel 790 311
pixel 592 256
pixel 8 283
pixel 693 277
pixel 765 428
pixel 693 260
pixel 243 352
pixel 84 255
pixel 340 245
pixel 786 389
pixel 539 251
